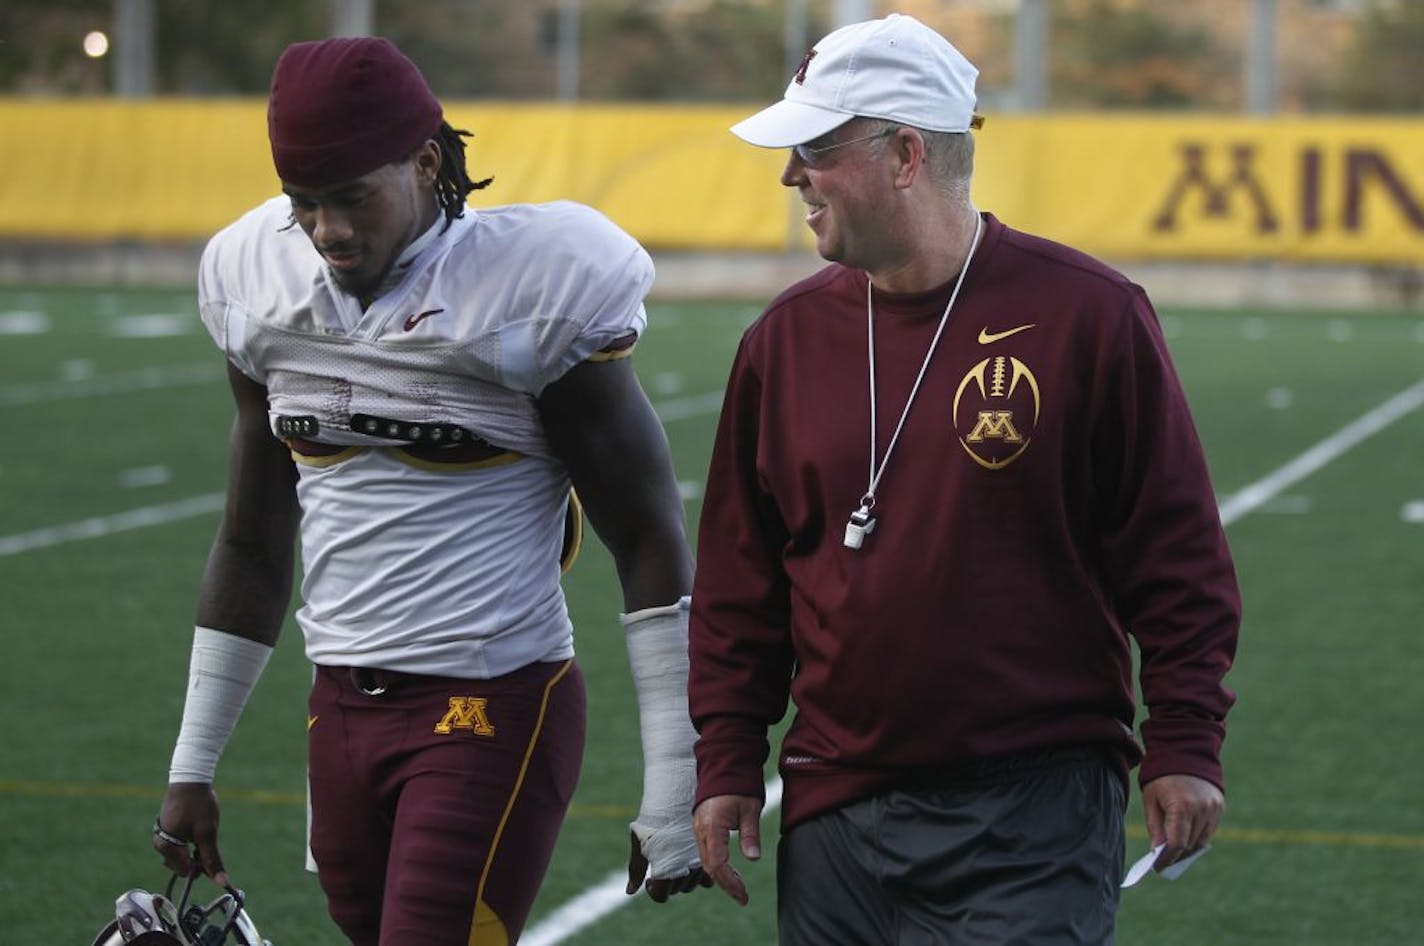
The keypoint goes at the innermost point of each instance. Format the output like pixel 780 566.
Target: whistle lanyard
pixel 862 523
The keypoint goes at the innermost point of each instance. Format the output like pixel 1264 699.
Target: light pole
pixel 1261 59
pixel 134 48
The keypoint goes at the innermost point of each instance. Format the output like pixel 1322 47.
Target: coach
pixel 955 473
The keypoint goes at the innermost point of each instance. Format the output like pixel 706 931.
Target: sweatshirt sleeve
pixel 740 649
pixel 1165 552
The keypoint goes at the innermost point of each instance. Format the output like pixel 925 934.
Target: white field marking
pixel 1254 329
pixel 76 369
pixel 1279 398
pixel 668 382
pixel 156 325
pixel 1171 326
pixel 1413 511
pixel 1252 497
pixel 140 518
pixel 685 408
pixel 1340 330
pixel 689 490
pixel 1419 332
pixel 147 379
pixel 606 896
pixel 141 476
pixel 24 323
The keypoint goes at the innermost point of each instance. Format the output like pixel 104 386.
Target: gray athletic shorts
pixel 1016 851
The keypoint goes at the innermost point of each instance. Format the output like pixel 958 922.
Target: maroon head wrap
pixel 341 108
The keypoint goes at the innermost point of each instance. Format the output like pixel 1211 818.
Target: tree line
pixel 1103 53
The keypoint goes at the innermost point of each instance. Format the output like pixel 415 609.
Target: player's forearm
pixel 246 589
pixel 654 571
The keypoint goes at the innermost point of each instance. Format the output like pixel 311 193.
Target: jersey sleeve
pixel 219 304
pixel 589 282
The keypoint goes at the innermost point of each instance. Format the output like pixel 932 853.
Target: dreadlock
pixel 453 182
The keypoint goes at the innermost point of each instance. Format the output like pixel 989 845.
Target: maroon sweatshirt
pixel 1047 498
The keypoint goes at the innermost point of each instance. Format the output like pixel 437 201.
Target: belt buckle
pixel 365 681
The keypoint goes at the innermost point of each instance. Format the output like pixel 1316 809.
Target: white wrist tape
pixel 223 670
pixel 657 653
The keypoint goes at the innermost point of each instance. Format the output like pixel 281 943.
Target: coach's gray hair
pixel 948 154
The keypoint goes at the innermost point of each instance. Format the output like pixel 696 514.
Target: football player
pixel 424 395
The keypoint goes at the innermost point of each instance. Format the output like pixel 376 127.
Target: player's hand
pixel 712 822
pixel 188 819
pixel 660 888
pixel 1182 812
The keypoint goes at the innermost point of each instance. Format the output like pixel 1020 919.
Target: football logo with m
pixel 996 410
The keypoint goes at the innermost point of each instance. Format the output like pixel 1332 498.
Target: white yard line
pixel 603 898
pixel 148 379
pixel 140 518
pixel 686 408
pixel 1248 500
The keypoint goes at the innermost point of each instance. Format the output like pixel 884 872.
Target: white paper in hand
pixel 1143 866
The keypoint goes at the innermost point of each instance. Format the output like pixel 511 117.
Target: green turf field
pixel 113 415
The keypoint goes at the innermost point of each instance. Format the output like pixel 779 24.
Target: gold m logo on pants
pixel 466 712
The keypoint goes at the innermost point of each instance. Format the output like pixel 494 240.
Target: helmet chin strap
pixel 194 919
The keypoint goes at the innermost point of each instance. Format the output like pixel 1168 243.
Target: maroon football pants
pixel 436 803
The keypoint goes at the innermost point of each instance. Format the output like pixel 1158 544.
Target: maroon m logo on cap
pixel 801 69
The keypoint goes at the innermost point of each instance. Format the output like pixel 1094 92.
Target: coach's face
pixel 361 226
pixel 844 183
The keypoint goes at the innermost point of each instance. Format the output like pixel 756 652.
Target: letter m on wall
pixel 1219 195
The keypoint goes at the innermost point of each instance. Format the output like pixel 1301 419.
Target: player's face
pixel 360 227
pixel 845 185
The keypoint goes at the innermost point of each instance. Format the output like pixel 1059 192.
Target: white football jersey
pixel 427 557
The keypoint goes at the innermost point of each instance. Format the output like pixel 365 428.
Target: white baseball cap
pixel 897 69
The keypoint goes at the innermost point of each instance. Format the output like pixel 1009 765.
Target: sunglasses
pixel 815 157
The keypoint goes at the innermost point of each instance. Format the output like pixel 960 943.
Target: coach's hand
pixel 189 819
pixel 1182 812
pixel 713 821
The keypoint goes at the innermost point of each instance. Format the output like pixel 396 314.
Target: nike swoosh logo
pixel 986 336
pixel 411 321
pixel 311 721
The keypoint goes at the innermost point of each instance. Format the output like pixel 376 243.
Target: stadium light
pixel 96 44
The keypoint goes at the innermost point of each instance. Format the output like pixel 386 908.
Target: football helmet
pixel 154 919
